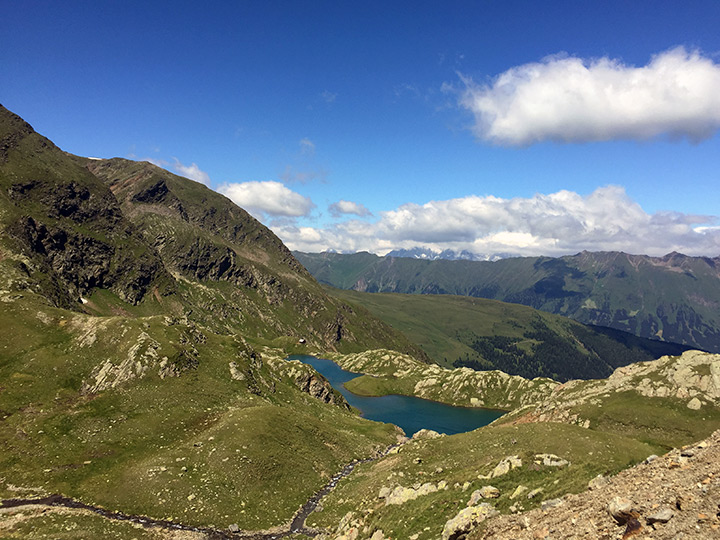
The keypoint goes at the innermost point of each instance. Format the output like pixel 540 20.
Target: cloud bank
pixel 546 224
pixel 267 199
pixel 568 99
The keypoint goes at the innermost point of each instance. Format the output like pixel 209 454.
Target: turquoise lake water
pixel 410 413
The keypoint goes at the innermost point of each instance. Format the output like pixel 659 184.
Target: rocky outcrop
pixel 693 378
pixel 461 386
pixel 319 388
pixel 401 495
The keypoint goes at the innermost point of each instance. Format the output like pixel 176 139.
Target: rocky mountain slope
pixel 104 236
pixel 527 465
pixel 145 321
pixel 673 298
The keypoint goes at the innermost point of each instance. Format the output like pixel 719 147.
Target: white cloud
pixel 348 207
pixel 263 199
pixel 569 99
pixel 191 171
pixel 546 224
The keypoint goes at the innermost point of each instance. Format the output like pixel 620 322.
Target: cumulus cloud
pixel 569 99
pixel 191 171
pixel 348 207
pixel 267 199
pixel 546 224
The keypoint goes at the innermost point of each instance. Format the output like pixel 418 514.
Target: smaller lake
pixel 410 413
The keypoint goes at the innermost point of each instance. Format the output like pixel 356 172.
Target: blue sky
pixel 515 127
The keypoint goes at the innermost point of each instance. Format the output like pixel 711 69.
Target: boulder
pixel 466 520
pixel 506 465
pixel 661 515
pixel 621 509
pixel 694 404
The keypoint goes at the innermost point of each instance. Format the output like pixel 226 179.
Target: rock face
pixel 319 388
pixel 663 500
pixel 68 226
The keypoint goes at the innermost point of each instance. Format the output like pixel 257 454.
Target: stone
pixel 694 404
pixel 505 466
pixel 489 492
pixel 534 493
pixel 550 460
pixel 650 459
pixel 621 509
pixel 598 482
pixel 474 498
pixel 551 503
pixel 518 491
pixel 384 492
pixel 378 535
pixel 426 434
pixel 467 519
pixel 661 515
pixel 401 495
pixel 234 528
pixel 485 492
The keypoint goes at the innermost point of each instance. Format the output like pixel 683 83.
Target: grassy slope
pixel 250 451
pixel 460 459
pixel 446 327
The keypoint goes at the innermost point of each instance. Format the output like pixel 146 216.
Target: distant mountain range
pixel 447 254
pixel 674 298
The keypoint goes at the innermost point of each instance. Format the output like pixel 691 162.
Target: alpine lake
pixel 410 413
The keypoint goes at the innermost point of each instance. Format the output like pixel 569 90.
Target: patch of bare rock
pixel 673 497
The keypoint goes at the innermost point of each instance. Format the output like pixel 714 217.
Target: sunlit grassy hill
pixel 674 298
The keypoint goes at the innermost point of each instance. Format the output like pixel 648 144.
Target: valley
pixel 672 298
